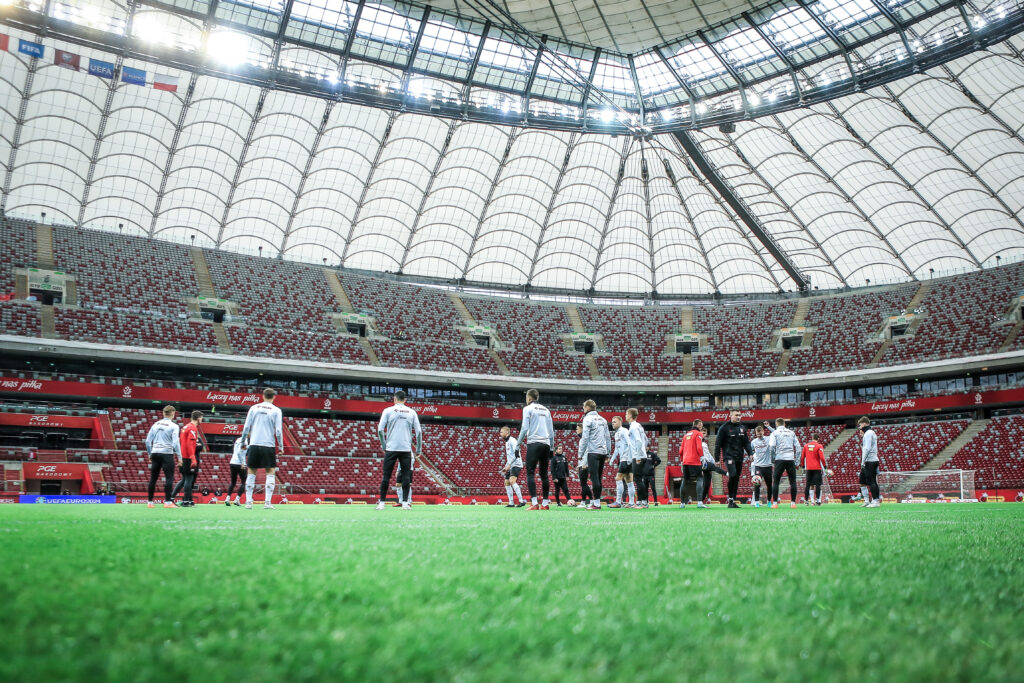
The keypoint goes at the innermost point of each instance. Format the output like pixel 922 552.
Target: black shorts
pixel 625 468
pixel 868 473
pixel 261 457
pixel 814 477
pixel 692 472
pixel 238 470
pixel 765 473
pixel 514 472
pixel 164 461
pixel 638 468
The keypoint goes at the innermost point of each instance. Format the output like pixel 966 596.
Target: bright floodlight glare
pixel 228 47
pixel 607 115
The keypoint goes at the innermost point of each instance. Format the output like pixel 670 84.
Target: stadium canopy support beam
pixel 711 175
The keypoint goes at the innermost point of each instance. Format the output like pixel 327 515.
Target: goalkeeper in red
pixel 812 459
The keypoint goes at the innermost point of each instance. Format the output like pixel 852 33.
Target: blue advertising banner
pixel 101 68
pixel 133 76
pixel 67 500
pixel 31 49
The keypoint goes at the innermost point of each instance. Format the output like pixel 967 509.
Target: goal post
pixel 927 484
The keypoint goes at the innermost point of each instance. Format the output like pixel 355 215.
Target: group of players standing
pixel 773 453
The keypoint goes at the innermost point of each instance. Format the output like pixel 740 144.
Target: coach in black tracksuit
pixel 730 445
pixel 560 475
pixel 650 466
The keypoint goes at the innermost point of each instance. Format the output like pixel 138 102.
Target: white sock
pixel 546 502
pixel 519 493
pixel 864 493
pixel 270 489
pixel 533 500
pixel 250 485
pixel 632 493
pixel 618 492
pixel 508 490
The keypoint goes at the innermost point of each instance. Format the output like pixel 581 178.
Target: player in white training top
pixel 512 467
pixel 624 455
pixel 263 438
pixel 399 430
pixel 237 465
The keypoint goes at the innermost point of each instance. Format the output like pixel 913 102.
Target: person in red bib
pixel 812 459
pixel 190 447
pixel 690 452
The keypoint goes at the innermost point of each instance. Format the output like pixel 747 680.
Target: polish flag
pixel 168 83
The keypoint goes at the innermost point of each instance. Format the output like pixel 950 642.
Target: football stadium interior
pixel 807 210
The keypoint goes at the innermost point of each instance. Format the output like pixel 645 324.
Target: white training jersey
pixel 623 448
pixel 164 437
pixel 638 440
pixel 238 453
pixel 783 444
pixel 595 439
pixel 512 456
pixel 399 425
pixel 537 426
pixel 869 447
pixel 263 426
pixel 707 458
pixel 762 455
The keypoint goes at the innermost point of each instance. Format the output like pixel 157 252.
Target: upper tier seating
pixel 963 317
pixel 17 250
pixel 404 312
pixel 150 279
pixel 842 325
pixel 123 272
pixel 738 337
pixel 995 454
pixel 634 338
pixel 20 318
pixel 534 330
pixel 272 292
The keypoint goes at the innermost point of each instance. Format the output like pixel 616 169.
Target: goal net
pixel 927 485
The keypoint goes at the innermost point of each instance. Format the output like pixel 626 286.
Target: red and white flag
pixel 168 83
pixel 4 41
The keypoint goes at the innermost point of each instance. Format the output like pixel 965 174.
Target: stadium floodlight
pixel 228 47
pixel 607 115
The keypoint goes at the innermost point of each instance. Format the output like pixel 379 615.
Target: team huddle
pixel 774 453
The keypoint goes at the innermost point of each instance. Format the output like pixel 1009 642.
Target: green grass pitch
pixel 315 593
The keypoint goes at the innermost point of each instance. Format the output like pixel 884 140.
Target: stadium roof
pixel 885 184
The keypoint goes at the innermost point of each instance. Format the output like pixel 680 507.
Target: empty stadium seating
pixel 635 340
pixel 994 454
pixel 404 312
pixel 295 343
pixel 534 331
pixel 434 356
pixel 963 316
pixel 134 290
pixel 109 327
pixel 123 272
pixel 842 326
pixel 274 293
pixel 738 337
pixel 17 250
pixel 20 318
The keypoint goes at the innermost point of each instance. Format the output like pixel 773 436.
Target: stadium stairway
pixel 223 343
pixel 914 303
pixel 438 476
pixel 202 269
pixel 1011 337
pixel 339 292
pixel 954 447
pixel 799 318
pixel 837 443
pixel 573 314
pixel 44 246
pixel 47 324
